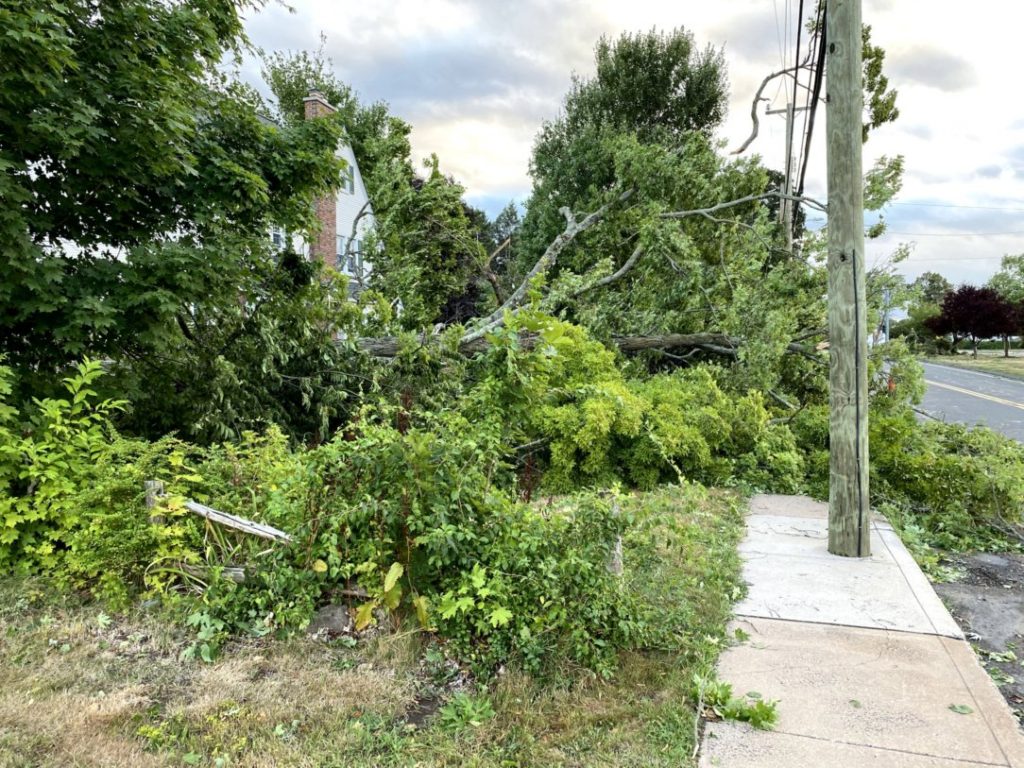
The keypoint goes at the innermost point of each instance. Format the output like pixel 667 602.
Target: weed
pixel 719 700
pixel 465 711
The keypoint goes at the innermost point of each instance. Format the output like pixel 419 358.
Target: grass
pixel 78 687
pixel 988 361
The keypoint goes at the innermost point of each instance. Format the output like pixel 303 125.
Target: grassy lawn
pixel 988 361
pixel 79 687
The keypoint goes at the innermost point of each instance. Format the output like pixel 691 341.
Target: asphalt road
pixel 968 397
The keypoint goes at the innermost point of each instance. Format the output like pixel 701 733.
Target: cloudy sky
pixel 477 77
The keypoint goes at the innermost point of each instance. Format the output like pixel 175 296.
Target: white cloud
pixel 477 77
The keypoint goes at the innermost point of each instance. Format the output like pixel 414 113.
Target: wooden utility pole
pixel 786 204
pixel 849 508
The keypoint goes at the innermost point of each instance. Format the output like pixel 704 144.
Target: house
pixel 346 217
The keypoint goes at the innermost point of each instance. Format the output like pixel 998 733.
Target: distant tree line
pixel 941 317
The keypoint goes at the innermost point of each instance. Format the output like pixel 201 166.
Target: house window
pixel 348 180
pixel 278 238
pixel 355 257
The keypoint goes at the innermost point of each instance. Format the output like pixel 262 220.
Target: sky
pixel 477 78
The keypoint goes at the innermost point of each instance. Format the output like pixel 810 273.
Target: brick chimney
pixel 325 243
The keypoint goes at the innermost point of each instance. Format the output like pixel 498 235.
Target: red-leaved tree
pixel 974 313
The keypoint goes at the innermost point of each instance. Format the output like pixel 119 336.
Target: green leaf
pixel 500 617
pixel 422 605
pixel 364 616
pixel 961 709
pixel 394 574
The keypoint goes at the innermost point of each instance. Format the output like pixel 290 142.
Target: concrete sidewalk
pixel 862 656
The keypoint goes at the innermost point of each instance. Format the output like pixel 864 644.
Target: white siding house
pixel 354 220
pixel 346 217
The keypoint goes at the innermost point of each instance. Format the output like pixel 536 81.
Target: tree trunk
pixel 719 343
pixel 1006 345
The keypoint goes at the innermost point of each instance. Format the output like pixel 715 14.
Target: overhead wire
pixel 815 98
pixel 778 34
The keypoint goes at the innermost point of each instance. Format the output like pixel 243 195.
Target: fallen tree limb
pixel 489 272
pixel 758 99
pixel 718 343
pixel 573 227
pixel 621 272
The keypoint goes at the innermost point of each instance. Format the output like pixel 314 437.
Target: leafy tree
pixel 879 100
pixel 924 301
pixel 428 253
pixel 137 190
pixel 292 75
pixel 931 287
pixel 255 346
pixel 974 313
pixel 633 144
pixel 1009 280
pixel 656 86
pixel 1009 283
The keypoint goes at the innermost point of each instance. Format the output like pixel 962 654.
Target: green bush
pixel 46 456
pixel 963 486
pixel 954 487
pixel 115 550
pixel 670 426
pixel 600 428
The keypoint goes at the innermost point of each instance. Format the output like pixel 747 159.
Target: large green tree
pixel 1009 280
pixel 632 146
pixel 658 87
pixel 427 244
pixel 138 185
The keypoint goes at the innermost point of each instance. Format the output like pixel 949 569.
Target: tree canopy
pixel 139 184
pixel 1009 280
pixel 656 87
pixel 974 313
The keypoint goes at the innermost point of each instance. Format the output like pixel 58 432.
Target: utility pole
pixel 849 507
pixel 788 186
pixel 887 296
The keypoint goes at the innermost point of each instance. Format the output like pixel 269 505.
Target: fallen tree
pixel 717 343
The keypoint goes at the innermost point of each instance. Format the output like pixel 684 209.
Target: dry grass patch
pixel 79 688
pixel 988 361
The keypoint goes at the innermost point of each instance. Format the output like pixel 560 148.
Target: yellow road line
pixel 972 393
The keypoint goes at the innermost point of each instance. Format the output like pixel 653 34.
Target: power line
pixel 778 34
pixel 930 259
pixel 956 205
pixel 800 157
pixel 819 72
pixel 953 234
pixel 796 69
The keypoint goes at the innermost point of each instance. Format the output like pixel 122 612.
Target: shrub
pixel 669 426
pixel 947 485
pixel 115 550
pixel 46 456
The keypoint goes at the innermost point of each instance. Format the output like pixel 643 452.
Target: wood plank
pixel 238 523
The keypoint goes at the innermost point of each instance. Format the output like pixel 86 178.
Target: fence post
pixel 154 490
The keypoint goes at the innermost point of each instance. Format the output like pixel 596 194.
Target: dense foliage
pixel 974 313
pixel 138 187
pixel 409 485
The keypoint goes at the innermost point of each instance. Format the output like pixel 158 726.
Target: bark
pixel 717 343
